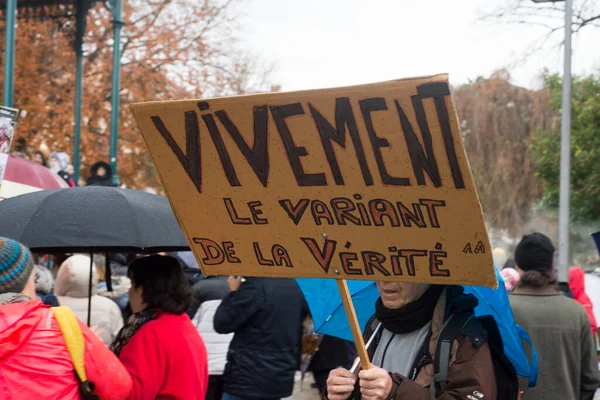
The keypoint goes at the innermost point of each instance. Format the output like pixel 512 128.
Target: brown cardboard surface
pixel 363 182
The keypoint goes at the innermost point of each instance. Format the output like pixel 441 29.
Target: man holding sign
pixel 411 318
pixel 368 182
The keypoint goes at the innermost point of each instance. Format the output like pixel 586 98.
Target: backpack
pixel 71 331
pixel 481 330
pixel 493 316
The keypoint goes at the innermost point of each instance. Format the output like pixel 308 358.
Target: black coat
pixel 266 316
pixel 333 352
pixel 96 180
pixel 205 289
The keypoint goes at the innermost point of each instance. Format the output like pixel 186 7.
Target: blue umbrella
pixel 329 316
pixel 327 310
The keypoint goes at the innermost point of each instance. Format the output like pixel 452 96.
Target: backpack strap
pixel 422 359
pixel 71 332
pixel 448 334
pixel 370 330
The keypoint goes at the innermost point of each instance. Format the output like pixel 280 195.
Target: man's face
pixel 396 294
pixel 37 157
pixel 101 171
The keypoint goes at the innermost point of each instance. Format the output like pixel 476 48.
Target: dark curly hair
pixel 538 279
pixel 164 285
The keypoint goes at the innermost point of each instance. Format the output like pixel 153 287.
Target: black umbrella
pixel 91 219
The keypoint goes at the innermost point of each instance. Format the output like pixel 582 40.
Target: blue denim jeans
pixel 227 396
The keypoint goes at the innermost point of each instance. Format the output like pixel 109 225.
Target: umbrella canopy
pixel 23 176
pixel 327 310
pixel 91 219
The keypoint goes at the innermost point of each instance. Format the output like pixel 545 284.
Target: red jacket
pixel 167 359
pixel 35 363
pixel 577 285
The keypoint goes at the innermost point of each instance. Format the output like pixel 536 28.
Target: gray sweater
pixel 560 331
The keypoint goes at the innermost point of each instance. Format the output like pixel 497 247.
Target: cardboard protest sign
pixel 8 119
pixel 364 182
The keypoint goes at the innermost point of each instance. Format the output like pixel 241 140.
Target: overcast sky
pixel 325 43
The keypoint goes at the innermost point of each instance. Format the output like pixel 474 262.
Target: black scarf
pixel 133 325
pixel 411 316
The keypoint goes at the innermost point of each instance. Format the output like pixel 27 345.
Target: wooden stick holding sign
pixel 353 322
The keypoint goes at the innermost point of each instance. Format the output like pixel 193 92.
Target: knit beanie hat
pixel 16 264
pixel 535 252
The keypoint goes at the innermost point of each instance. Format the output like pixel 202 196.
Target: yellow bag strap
pixel 71 331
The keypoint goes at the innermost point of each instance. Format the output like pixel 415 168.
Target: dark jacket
pixel 470 370
pixel 119 262
pixel 96 180
pixel 266 316
pixel 205 289
pixel 333 352
pixel 67 178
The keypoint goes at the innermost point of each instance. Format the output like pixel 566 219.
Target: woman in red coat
pixel 159 345
pixel 577 285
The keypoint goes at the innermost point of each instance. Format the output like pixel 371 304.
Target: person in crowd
pixel 6 132
pixel 265 315
pixel 72 290
pixel 120 285
pixel 34 360
pixel 40 158
pixel 333 352
pixel 411 317
pixel 510 263
pixel 159 346
pixel 511 277
pixel 193 274
pixel 44 286
pixel 19 148
pixel 119 262
pixel 100 175
pixel 207 294
pixel 558 326
pixel 577 285
pixel 499 256
pixel 59 163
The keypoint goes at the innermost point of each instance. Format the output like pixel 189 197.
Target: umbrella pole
pixel 353 322
pixel 89 319
pixel 108 274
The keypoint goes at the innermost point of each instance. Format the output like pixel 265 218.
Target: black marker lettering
pixel 439 90
pixel 258 155
pixel 190 161
pixel 280 113
pixel 367 106
pixel 419 160
pixel 343 118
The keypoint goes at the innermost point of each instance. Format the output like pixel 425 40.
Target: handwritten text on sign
pixel 365 182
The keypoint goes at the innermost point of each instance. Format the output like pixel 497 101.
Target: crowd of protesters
pixel 100 173
pixel 160 330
